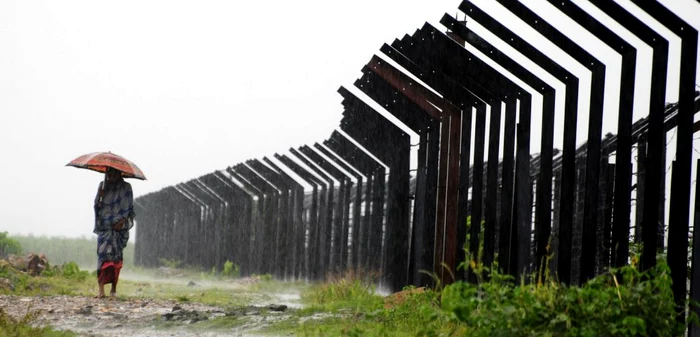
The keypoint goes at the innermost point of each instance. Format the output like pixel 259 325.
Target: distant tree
pixel 8 245
pixel 59 250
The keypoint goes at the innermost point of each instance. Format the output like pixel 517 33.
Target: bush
pixel 8 245
pixel 231 269
pixel 68 270
pixel 624 302
pixel 173 264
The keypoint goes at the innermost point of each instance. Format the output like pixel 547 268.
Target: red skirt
pixel 109 272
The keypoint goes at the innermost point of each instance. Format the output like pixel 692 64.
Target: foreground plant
pixel 23 327
pixel 623 302
pixel 351 307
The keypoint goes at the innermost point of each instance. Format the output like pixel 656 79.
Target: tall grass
pixel 350 306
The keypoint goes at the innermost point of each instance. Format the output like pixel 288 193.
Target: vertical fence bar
pixel 694 329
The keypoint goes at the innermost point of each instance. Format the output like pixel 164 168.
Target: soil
pixel 89 316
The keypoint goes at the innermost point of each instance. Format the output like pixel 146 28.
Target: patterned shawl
pixel 117 203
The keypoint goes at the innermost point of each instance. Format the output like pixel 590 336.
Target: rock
pixel 191 284
pixel 18 262
pixel 277 307
pixel 185 316
pixel 32 263
pixel 176 308
pixel 6 284
pixel 86 310
pixel 36 264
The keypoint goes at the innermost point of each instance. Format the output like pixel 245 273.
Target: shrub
pixel 624 302
pixel 174 264
pixel 231 269
pixel 68 270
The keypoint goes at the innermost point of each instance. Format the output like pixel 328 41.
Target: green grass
pixel 624 303
pixel 347 307
pixel 179 291
pixel 342 294
pixel 56 283
pixel 22 327
pixel 221 323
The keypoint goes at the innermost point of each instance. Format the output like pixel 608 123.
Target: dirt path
pixel 140 317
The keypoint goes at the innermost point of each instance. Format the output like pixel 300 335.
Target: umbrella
pixel 100 161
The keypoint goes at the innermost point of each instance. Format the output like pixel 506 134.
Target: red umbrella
pixel 100 161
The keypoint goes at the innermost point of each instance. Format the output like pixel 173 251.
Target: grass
pixel 221 295
pixel 627 302
pixel 44 285
pixel 342 294
pixel 351 307
pixel 623 303
pixel 23 327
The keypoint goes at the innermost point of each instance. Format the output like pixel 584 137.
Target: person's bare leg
pixel 113 293
pixel 102 289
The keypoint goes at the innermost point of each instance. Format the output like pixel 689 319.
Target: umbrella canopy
pixel 100 161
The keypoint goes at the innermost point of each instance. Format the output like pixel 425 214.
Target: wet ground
pixel 143 316
pixel 136 317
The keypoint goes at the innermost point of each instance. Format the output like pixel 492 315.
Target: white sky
pixel 181 88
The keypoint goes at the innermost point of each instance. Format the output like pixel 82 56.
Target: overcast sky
pixel 183 88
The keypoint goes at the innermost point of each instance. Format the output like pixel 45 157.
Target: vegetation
pixel 8 245
pixel 168 263
pixel 624 302
pixel 349 307
pixel 231 270
pixel 66 279
pixel 10 326
pixel 59 250
pixel 69 270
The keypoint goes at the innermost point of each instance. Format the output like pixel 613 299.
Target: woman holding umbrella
pixel 114 212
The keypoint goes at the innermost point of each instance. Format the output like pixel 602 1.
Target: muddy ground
pixel 140 317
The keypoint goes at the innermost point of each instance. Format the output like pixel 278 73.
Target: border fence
pixel 352 202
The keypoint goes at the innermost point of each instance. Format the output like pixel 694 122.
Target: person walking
pixel 114 215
